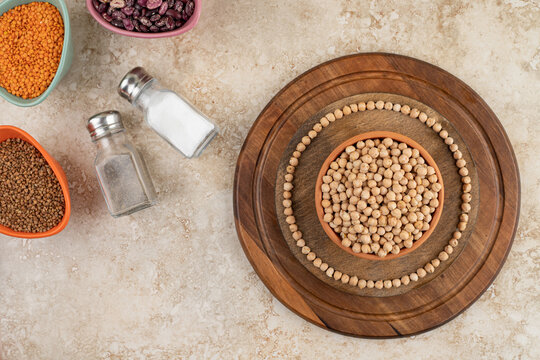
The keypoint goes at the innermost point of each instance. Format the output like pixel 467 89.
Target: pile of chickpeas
pixel 432 264
pixel 379 196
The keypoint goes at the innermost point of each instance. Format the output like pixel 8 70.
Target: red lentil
pixel 31 41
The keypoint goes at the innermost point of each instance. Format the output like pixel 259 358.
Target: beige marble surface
pixel 172 281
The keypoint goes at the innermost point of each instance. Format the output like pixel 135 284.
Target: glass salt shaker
pixel 169 114
pixel 121 171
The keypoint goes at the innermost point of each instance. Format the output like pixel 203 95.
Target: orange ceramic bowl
pixel 335 154
pixel 9 132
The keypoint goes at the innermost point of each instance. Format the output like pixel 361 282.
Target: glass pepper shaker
pixel 169 114
pixel 121 171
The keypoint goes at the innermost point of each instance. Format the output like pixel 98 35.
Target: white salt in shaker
pixel 169 114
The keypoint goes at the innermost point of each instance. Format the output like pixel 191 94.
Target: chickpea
pixel 330 272
pixel 443 256
pixel 374 180
pixel 405 109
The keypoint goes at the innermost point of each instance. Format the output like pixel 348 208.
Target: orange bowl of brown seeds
pixel 379 195
pixel 34 193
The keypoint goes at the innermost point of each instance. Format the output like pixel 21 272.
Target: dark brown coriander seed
pixel 31 198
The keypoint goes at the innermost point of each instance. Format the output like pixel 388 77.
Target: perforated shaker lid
pixel 133 82
pixel 104 123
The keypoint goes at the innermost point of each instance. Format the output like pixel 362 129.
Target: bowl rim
pixel 377 135
pixel 62 8
pixel 58 172
pixel 190 24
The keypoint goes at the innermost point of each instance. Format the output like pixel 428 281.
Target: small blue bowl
pixel 65 60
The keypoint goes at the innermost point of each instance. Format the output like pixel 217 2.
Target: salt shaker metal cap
pixel 104 123
pixel 133 82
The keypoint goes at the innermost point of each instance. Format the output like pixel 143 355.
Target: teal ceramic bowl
pixel 65 60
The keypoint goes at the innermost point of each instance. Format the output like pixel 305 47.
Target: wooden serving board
pixel 366 312
pixel 312 161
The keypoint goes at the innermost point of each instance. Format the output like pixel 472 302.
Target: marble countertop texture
pixel 172 281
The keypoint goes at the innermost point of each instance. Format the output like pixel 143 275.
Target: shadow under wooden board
pixel 406 310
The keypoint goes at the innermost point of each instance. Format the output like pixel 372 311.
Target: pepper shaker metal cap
pixel 133 82
pixel 104 123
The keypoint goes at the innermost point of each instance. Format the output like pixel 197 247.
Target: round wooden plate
pixel 305 209
pixel 426 305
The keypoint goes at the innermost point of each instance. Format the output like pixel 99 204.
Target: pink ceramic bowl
pixel 190 24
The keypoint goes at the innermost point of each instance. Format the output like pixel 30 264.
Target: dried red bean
pixel 154 28
pixel 170 3
pixel 175 14
pixel 117 23
pixel 153 4
pixel 155 18
pixel 143 28
pixel 102 8
pixel 178 5
pixel 178 23
pixel 128 24
pixel 142 2
pixel 169 22
pixel 160 23
pixel 190 8
pixel 118 4
pixel 107 17
pixel 118 15
pixel 128 10
pixel 130 3
pixel 163 8
pixel 136 14
pixel 145 21
pixel 95 3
